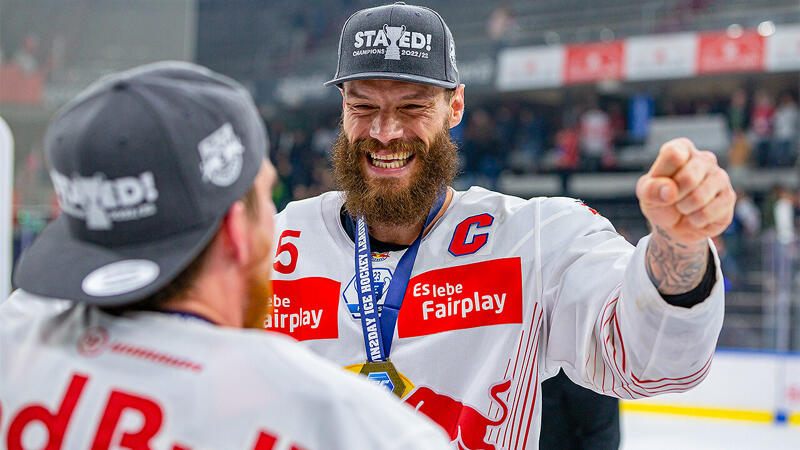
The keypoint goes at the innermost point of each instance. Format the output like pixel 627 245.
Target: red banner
pixel 719 53
pixel 305 309
pixel 594 62
pixel 457 298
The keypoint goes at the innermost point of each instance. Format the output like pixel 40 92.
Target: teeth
pixel 403 155
pixel 392 161
pixel 389 165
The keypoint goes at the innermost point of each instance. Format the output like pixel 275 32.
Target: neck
pixel 406 234
pixel 209 302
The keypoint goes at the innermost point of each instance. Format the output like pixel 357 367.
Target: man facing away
pixel 162 251
pixel 462 303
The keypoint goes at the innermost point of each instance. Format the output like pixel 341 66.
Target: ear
pixel 234 232
pixel 457 106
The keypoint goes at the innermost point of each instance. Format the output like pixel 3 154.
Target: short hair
pixel 187 277
pixel 449 93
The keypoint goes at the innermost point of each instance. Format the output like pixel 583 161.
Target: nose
pixel 385 128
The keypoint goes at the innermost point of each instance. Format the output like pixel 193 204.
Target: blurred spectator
pixel 323 139
pixel 733 245
pixel 737 111
pixel 739 151
pixel 731 270
pixel 595 139
pixel 567 143
pixel 785 136
pixel 529 142
pixel 501 24
pixel 761 126
pixel 784 216
pixel 747 215
pixel 618 124
pixel 481 148
pixel 27 56
pixel 784 235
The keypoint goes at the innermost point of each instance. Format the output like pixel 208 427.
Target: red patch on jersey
pixel 461 297
pixel 305 309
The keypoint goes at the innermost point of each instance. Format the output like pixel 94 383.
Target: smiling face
pixel 394 152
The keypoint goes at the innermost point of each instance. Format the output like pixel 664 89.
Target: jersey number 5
pixel 459 245
pixel 284 247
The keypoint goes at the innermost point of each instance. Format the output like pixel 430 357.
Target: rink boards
pixel 756 386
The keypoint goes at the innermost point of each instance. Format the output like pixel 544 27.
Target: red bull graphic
pixel 379 256
pixel 464 424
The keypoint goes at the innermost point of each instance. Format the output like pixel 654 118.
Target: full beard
pixel 388 200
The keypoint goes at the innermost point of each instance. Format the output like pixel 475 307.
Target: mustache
pixel 372 145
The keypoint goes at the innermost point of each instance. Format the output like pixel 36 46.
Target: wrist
pixel 675 267
pixel 679 243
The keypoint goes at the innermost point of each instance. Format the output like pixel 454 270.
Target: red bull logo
pixel 379 256
pixel 463 423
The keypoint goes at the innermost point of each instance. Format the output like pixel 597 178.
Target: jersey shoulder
pixel 21 307
pixel 567 214
pixel 311 207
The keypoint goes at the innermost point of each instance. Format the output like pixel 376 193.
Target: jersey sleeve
pixel 606 324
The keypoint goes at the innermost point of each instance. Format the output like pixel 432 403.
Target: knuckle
pixel 672 148
pixel 701 216
pixel 698 197
pixel 722 175
pixel 681 141
pixel 688 178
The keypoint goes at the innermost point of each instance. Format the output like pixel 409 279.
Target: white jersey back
pixel 503 293
pixel 78 378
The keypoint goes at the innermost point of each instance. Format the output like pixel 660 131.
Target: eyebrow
pixel 421 95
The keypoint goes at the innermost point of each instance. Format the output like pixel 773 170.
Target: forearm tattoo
pixel 675 268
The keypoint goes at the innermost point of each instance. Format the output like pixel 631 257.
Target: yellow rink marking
pixel 762 416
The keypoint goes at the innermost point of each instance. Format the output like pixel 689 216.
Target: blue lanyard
pixel 379 330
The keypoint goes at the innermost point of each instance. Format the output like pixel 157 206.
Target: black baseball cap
pixel 145 163
pixel 397 42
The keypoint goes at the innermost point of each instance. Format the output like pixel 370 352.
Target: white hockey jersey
pixel 503 292
pixel 73 377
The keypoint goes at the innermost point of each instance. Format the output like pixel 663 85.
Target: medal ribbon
pixel 379 330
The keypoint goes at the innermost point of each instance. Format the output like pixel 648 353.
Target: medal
pixel 384 374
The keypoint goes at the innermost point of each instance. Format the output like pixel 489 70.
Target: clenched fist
pixel 686 194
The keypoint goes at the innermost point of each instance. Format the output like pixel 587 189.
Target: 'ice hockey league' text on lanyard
pixel 379 330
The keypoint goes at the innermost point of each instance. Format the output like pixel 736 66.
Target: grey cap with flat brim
pixel 146 164
pixel 397 42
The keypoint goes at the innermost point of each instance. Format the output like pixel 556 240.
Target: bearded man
pixel 462 303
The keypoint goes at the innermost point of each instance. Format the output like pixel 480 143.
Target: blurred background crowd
pixel 588 136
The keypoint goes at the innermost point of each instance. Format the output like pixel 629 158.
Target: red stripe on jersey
pixel 518 388
pixel 533 402
pixel 537 338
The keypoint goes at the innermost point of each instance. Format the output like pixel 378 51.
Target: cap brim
pixel 393 76
pixel 57 265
